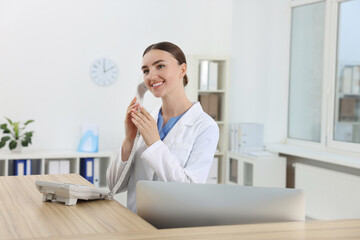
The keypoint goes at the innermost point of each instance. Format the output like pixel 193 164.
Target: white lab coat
pixel 185 154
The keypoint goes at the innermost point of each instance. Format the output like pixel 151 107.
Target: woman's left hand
pixel 146 124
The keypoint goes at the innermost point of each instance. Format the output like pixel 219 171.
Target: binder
pixel 53 167
pixel 249 137
pixel 64 166
pixel 236 137
pixel 356 80
pixel 204 100
pixel 232 137
pixel 28 167
pixel 22 167
pixel 204 75
pixel 58 166
pixel 213 76
pixel 87 168
pixel 97 172
pixel 213 106
pixel 209 103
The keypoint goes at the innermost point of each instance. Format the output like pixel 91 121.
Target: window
pixel 347 89
pixel 306 64
pixel 324 81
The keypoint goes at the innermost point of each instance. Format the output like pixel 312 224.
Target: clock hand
pixel 104 66
pixel 109 69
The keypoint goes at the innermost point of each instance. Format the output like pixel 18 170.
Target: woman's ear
pixel 183 69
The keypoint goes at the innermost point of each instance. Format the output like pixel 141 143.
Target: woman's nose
pixel 152 75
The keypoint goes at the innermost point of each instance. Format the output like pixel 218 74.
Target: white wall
pixel 47 46
pixel 259 70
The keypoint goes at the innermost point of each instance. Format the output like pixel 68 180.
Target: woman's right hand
pixel 130 131
pixel 130 128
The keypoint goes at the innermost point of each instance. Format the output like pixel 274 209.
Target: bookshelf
pixel 221 93
pixel 40 160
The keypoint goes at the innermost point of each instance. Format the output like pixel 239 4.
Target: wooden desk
pixel 23 214
pixel 344 229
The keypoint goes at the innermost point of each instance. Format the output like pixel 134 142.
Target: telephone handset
pixel 70 193
pixel 141 90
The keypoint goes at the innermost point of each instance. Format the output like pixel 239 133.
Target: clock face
pixel 103 71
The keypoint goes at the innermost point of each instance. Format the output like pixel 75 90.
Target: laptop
pixel 174 205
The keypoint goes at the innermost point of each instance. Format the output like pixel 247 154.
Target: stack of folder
pixel 208 75
pixel 246 137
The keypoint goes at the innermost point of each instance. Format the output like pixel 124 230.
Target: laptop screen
pixel 172 205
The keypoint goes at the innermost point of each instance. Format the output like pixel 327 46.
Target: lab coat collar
pixel 188 119
pixel 191 115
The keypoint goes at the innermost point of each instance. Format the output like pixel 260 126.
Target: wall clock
pixel 104 71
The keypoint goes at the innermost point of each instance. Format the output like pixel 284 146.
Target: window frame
pixel 333 39
pixel 328 81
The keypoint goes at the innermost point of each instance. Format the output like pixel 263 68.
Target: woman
pixel 178 139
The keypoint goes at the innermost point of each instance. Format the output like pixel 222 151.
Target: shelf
pixel 213 102
pixel 219 154
pixel 211 91
pixel 29 154
pixel 40 161
pixel 213 58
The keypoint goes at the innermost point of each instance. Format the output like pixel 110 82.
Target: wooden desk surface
pixel 23 214
pixel 343 229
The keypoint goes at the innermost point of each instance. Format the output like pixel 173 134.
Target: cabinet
pixel 40 160
pixel 255 171
pixel 221 96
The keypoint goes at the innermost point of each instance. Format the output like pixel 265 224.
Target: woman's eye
pixel 161 66
pixel 145 71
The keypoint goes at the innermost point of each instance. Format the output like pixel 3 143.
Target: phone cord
pixel 110 196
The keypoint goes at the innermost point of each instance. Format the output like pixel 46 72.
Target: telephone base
pixel 53 197
pixel 69 193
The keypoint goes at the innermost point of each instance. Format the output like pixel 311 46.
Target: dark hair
pixel 174 50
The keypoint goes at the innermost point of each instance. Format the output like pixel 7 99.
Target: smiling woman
pixel 178 139
pixel 161 73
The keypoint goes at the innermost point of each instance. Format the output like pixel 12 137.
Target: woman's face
pixel 162 73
